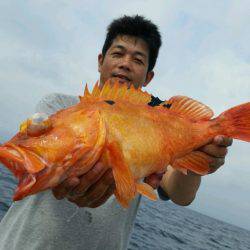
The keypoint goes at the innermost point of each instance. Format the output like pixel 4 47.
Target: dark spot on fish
pixel 155 101
pixel 110 102
pixel 168 106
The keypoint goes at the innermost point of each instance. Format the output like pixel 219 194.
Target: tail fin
pixel 235 122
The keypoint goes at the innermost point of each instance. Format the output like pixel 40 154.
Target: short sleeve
pixel 54 102
pixel 162 194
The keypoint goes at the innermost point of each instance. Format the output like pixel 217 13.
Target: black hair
pixel 137 26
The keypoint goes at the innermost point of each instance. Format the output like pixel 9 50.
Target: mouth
pixel 24 164
pixel 121 77
pixel 20 161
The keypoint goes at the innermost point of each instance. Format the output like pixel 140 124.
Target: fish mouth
pixel 12 160
pixel 24 164
pixel 25 160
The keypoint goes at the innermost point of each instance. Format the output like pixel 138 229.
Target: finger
pixel 216 163
pixel 214 150
pixel 104 198
pixel 96 191
pixel 65 187
pixel 223 141
pixel 88 179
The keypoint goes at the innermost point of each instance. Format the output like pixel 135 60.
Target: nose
pixel 125 63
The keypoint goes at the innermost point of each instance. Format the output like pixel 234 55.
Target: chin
pixel 122 81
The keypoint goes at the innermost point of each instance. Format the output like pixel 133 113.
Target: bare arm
pixel 181 188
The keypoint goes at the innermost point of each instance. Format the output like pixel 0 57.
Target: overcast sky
pixel 52 46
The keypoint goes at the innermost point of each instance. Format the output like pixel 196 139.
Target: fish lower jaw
pixel 25 184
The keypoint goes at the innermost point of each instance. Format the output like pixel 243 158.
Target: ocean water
pixel 163 226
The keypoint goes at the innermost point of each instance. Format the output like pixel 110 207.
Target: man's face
pixel 126 61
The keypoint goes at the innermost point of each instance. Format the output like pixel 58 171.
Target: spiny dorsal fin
pixel 96 91
pixel 86 93
pixel 118 91
pixel 86 90
pixel 188 107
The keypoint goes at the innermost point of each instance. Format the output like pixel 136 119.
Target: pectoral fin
pixel 197 162
pixel 146 190
pixel 124 180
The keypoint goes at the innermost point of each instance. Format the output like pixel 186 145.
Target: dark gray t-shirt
pixel 42 222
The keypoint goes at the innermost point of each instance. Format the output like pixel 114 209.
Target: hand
pixel 154 180
pixel 217 150
pixel 89 190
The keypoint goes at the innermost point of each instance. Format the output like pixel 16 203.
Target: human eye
pixel 116 54
pixel 139 61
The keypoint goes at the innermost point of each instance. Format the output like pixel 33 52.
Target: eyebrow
pixel 123 48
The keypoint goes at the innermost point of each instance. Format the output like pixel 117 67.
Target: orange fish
pixel 115 125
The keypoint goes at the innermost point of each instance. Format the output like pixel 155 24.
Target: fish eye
pixel 38 117
pixel 36 125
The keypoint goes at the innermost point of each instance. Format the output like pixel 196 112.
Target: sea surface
pixel 162 225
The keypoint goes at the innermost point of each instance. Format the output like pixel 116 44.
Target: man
pixel 42 222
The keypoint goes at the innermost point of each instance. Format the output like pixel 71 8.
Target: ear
pixel 100 61
pixel 149 77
